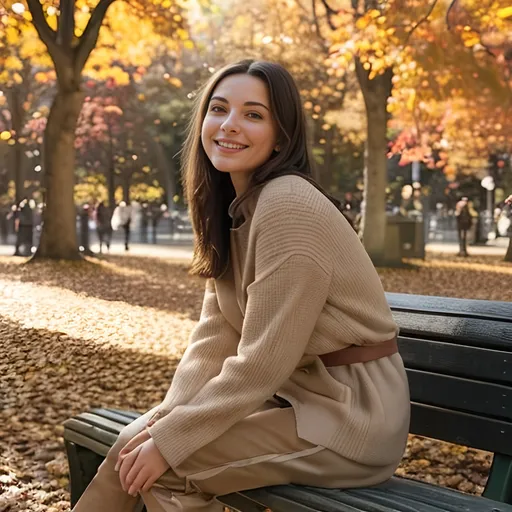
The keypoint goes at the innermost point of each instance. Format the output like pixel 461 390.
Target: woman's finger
pixel 134 442
pixel 149 483
pixel 139 481
pixel 126 465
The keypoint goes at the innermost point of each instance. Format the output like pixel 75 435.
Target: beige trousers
pixel 261 450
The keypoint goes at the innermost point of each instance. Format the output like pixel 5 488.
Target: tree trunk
pixel 167 169
pixel 376 93
pixel 111 186
pixel 126 189
pixel 508 255
pixel 19 178
pixel 58 238
pixel 15 100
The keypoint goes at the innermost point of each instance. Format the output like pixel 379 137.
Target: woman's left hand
pixel 141 468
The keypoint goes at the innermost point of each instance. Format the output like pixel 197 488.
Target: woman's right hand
pixel 135 441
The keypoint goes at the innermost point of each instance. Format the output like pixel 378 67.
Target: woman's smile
pixel 227 146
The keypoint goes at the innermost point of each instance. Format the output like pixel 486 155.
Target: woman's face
pixel 239 132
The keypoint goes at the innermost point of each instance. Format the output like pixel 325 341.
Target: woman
pixel 292 374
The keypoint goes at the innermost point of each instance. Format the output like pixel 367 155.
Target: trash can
pixel 405 238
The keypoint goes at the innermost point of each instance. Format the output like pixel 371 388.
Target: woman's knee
pixel 129 432
pixel 124 436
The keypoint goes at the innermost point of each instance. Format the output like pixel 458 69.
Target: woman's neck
pixel 240 181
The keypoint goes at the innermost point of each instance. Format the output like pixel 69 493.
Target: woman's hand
pixel 140 468
pixel 131 445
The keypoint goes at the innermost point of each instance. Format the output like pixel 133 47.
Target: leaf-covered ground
pixel 109 334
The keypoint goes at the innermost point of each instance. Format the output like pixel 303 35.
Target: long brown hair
pixel 209 192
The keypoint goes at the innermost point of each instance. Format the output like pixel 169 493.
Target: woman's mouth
pixel 229 147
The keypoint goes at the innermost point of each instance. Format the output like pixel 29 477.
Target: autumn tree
pixel 24 75
pixel 387 44
pixel 70 31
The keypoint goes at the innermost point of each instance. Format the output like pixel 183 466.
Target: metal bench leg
pixel 499 485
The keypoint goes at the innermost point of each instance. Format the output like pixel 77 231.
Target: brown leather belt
pixel 360 354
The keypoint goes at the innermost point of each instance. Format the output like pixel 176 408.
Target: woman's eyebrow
pixel 247 103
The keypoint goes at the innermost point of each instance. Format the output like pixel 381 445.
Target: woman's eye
pixel 217 108
pixel 254 115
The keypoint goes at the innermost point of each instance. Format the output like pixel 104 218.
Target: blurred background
pixel 408 104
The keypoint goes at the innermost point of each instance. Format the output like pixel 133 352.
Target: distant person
pixel 464 223
pixel 4 223
pixel 103 225
pixel 156 214
pixel 145 214
pixel 122 217
pixel 24 224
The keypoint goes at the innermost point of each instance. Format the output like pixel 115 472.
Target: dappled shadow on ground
pixel 46 377
pixel 139 281
pixel 444 275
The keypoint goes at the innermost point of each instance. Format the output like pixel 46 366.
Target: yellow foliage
pixel 12 36
pixel 411 101
pixel 52 21
pixel 362 22
pixel 13 63
pixel 176 82
pixel 505 13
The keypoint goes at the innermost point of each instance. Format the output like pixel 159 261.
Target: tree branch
pixel 422 20
pixel 90 36
pixel 328 11
pixel 46 33
pixel 66 27
pixel 447 17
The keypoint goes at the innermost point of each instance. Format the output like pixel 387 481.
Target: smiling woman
pixel 292 374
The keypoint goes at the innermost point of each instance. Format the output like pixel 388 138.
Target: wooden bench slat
pixel 461 428
pixel 472 362
pixel 333 500
pixel 243 503
pixel 500 310
pixel 85 441
pixel 398 494
pixel 471 332
pixel 276 501
pixel 434 495
pixel 88 431
pixel 98 421
pixel 123 417
pixel 465 395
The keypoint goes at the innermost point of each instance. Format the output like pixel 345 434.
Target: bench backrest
pixel 458 355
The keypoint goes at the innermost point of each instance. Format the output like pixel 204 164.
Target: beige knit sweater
pixel 299 284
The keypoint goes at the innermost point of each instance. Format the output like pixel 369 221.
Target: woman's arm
pixel 282 310
pixel 212 341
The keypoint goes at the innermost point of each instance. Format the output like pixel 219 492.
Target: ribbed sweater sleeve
pixel 212 340
pixel 282 309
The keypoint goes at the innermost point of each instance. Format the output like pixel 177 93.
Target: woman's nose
pixel 230 124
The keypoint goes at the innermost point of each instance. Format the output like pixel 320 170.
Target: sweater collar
pixel 242 207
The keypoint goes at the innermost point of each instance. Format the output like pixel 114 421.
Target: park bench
pixel 458 355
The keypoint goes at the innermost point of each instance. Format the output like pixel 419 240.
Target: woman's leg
pixel 104 493
pixel 261 450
